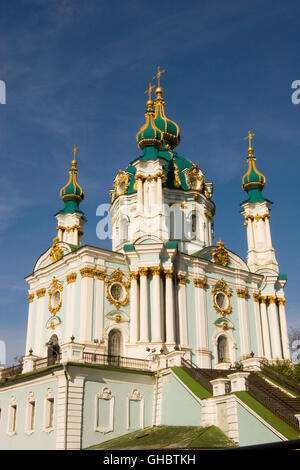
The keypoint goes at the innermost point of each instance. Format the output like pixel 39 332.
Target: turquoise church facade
pixel 113 334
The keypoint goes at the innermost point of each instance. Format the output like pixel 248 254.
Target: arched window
pixel 114 347
pixel 123 230
pixel 223 355
pixel 53 353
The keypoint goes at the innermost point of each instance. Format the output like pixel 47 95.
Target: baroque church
pixel 116 337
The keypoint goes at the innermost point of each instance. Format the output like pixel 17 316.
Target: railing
pixel 192 369
pixel 45 362
pixel 117 361
pixel 281 378
pixel 279 407
pixel 11 371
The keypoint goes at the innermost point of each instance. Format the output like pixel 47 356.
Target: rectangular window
pixel 31 416
pixel 12 419
pixel 49 413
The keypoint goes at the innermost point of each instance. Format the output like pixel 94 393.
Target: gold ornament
pixel 169 273
pixel 40 293
pixel 194 179
pixel 71 278
pixel 202 283
pixel 221 287
pixel 118 318
pixel 87 272
pixel 117 278
pixel 182 278
pixel 220 255
pixel 30 298
pixel 56 286
pixel 56 252
pixel 243 293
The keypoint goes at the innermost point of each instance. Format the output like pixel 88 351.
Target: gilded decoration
pixel 194 179
pixel 100 274
pixel 281 301
pixel 71 278
pixel 169 273
pixel 220 254
pixel 202 283
pixel 121 183
pixel 222 297
pixel 118 318
pixel 87 272
pixel 117 288
pixel 182 278
pixel 41 293
pixel 143 271
pixel 56 252
pixel 208 214
pixel 272 299
pixel 55 296
pixel 30 298
pixel 256 297
pixel 134 275
pixel 243 293
pixel 155 270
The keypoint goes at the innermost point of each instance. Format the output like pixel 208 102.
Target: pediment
pixel 234 261
pixel 45 259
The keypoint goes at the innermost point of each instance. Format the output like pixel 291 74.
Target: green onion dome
pixel 253 181
pixel 149 134
pixel 171 133
pixel 72 193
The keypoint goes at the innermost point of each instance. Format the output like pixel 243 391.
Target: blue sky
pixel 76 72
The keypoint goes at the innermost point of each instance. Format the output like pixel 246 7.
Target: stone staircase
pixel 279 402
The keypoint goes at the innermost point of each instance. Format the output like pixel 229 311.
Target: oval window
pixel 221 300
pixel 55 299
pixel 117 291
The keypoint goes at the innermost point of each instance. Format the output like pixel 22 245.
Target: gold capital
pixel 155 270
pixel 40 293
pixel 281 301
pixel 71 277
pixel 30 298
pixel 272 299
pixel 169 273
pixel 134 275
pixel 87 272
pixel 202 283
pixel 242 293
pixel 182 278
pixel 256 297
pixel 143 271
pixel 100 274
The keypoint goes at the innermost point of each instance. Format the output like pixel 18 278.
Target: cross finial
pixel 149 90
pixel 158 75
pixel 74 151
pixel 249 137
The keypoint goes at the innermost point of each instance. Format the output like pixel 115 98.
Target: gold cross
pixel 249 137
pixel 149 90
pixel 74 151
pixel 158 75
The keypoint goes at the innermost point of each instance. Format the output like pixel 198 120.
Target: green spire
pixel 253 181
pixel 72 193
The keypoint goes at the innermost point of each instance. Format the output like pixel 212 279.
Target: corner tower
pixel 256 210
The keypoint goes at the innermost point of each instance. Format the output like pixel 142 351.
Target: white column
pixel 284 328
pixel 275 331
pixel 70 306
pixel 250 234
pixel 183 330
pixel 29 324
pixel 206 236
pixel 99 310
pixel 144 325
pixel 86 304
pixel 170 308
pixel 244 322
pixel 259 337
pixel 265 327
pixel 140 195
pixel 134 307
pixel 37 350
pixel 156 331
pixel 268 232
pixel 203 353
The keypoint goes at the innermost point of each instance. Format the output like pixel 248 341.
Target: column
pixel 29 324
pixel 275 331
pixel 99 311
pixel 268 231
pixel 259 336
pixel 170 307
pixel 283 328
pixel 249 223
pixel 201 324
pixel 265 327
pixel 242 295
pixel 86 304
pixel 37 349
pixel 156 330
pixel 159 190
pixel 144 325
pixel 70 306
pixel 183 331
pixel 134 307
pixel 140 197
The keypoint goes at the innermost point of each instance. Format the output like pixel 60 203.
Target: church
pixel 168 327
